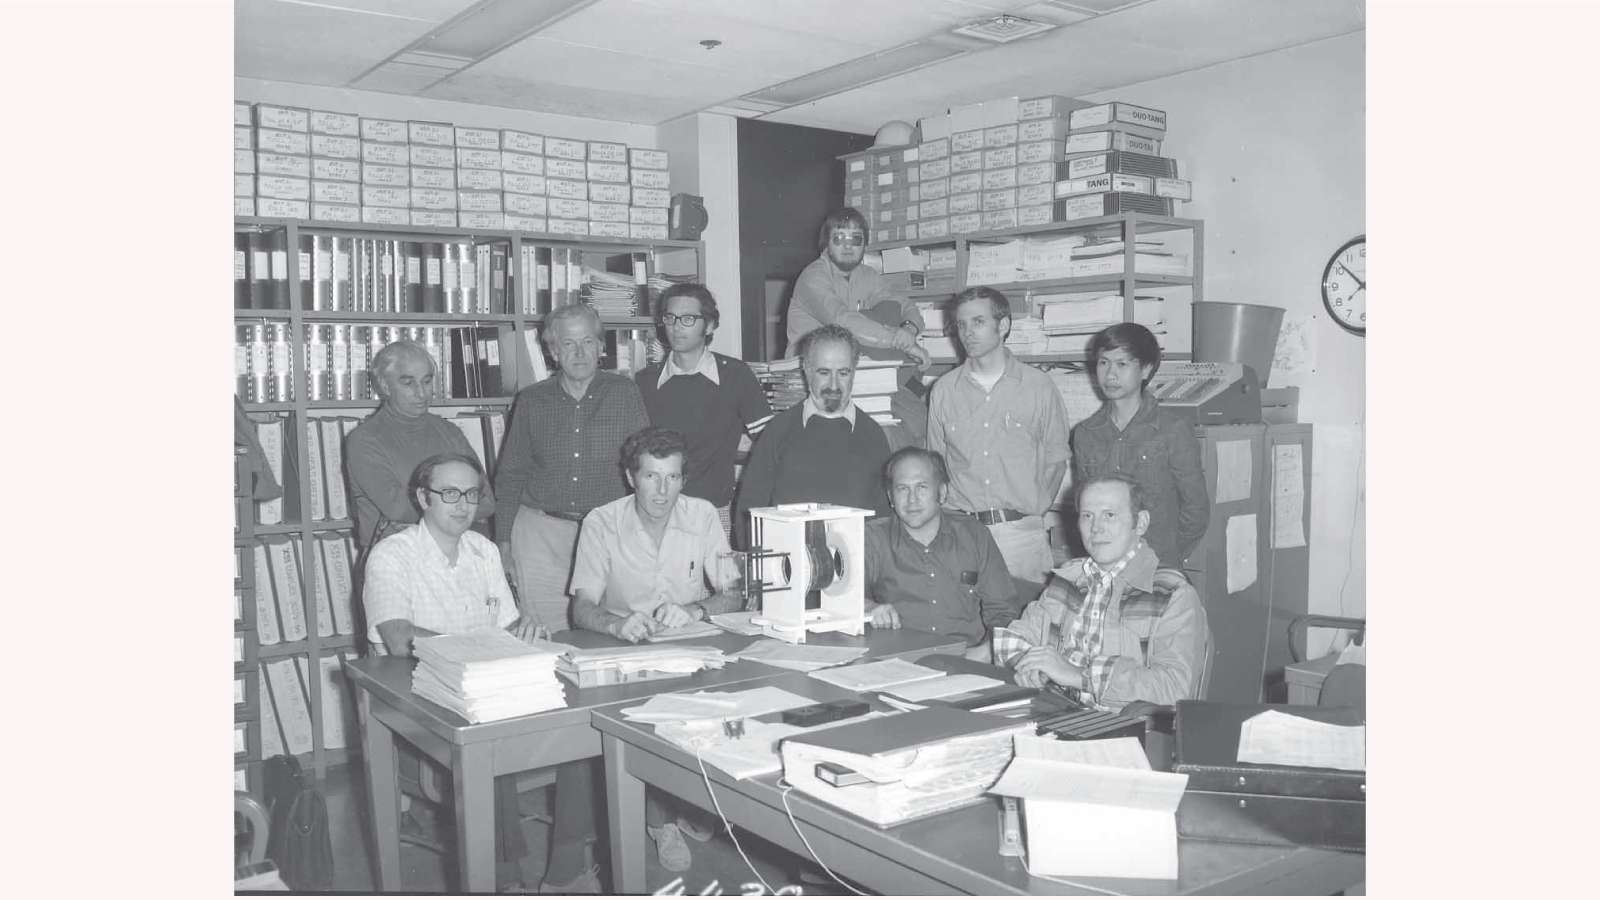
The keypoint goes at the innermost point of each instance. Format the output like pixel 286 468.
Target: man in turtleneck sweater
pixel 384 450
pixel 824 450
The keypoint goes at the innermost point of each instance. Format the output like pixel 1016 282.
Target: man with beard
pixel 930 571
pixel 823 450
pixel 709 398
pixel 835 289
pixel 1003 428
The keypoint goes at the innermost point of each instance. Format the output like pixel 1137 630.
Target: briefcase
pixel 1249 803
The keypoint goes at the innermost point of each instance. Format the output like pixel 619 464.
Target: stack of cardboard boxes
pixel 322 166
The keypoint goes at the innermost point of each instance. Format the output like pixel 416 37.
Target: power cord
pixel 784 796
pixel 725 823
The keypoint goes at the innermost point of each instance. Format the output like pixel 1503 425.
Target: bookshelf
pixel 246 694
pixel 303 393
pixel 1127 280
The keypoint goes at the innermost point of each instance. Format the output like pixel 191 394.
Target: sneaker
pixel 670 848
pixel 587 882
pixel 692 828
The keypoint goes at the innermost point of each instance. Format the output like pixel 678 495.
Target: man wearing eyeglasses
pixel 709 398
pixel 836 289
pixel 440 577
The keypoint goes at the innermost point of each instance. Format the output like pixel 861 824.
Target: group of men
pixel 614 500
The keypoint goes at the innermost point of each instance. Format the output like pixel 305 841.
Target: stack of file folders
pixel 485 676
pixel 621 665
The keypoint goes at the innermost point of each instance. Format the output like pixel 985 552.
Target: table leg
pixel 473 768
pixel 625 813
pixel 383 794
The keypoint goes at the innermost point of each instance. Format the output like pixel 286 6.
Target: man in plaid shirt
pixel 1112 628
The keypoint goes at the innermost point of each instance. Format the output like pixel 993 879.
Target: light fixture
pixel 1003 29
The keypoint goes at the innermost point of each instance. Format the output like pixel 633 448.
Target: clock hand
pixel 1359 282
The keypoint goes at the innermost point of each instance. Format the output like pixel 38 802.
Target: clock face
pixel 1344 286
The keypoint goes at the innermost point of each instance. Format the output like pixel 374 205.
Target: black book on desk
pixel 1254 803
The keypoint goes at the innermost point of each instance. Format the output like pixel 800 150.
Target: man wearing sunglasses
pixel 709 398
pixel 836 289
pixel 439 576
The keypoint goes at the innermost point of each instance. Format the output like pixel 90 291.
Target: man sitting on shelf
pixel 836 289
pixel 1003 427
pixel 440 577
pixel 822 450
pixel 931 571
pixel 649 562
pixel 384 450
pixel 1113 628
pixel 711 399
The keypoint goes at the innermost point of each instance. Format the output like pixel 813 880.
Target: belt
pixel 996 516
pixel 564 516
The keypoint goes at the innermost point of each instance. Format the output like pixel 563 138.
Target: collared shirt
pixel 619 562
pixel 957 585
pixel 564 455
pixel 1155 637
pixel 1159 449
pixel 809 408
pixel 823 295
pixel 408 577
pixel 707 366
pixel 712 407
pixel 1001 445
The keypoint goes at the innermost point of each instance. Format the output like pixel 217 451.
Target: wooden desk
pixel 475 754
pixel 951 853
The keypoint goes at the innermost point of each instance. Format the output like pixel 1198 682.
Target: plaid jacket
pixel 1154 640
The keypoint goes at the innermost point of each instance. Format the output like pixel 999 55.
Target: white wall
pixel 1276 148
pixel 702 150
pixel 471 115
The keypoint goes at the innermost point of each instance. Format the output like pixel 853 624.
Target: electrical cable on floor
pixel 725 823
pixel 786 788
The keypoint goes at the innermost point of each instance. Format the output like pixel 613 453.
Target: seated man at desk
pixel 656 559
pixel 1112 628
pixel 440 577
pixel 931 571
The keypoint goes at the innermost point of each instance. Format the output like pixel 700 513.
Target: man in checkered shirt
pixel 1112 628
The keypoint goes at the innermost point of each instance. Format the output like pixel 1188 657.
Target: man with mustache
pixel 1002 427
pixel 836 289
pixel 823 450
pixel 931 571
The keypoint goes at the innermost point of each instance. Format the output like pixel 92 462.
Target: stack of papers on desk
pixel 485 676
pixel 1122 816
pixel 1278 739
pixel 691 630
pixel 614 665
pixel 799 657
pixel 737 622
pixel 754 753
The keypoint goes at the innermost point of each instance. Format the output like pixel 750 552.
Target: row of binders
pixel 472 361
pixel 280 608
pixel 323 461
pixel 286 721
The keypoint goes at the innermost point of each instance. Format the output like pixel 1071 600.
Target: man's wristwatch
pixel 915 328
pixel 700 612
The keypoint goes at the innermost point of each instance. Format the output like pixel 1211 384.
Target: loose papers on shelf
pixel 1279 739
pixel 1121 816
pixel 800 657
pixel 486 675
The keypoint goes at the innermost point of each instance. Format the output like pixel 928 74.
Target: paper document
pixel 949 686
pixel 1276 738
pixel 737 622
pixel 1233 471
pixel 875 676
pixel 715 705
pixel 1288 497
pixel 756 753
pixel 800 657
pixel 691 630
pixel 1241 552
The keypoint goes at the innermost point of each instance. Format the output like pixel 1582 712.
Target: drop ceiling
pixel 844 64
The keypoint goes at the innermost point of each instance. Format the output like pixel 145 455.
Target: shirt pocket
pixel 1152 465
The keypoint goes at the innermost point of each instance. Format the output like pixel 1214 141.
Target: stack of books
pixel 485 676
pixel 1068 317
pixel 876 381
pixel 782 381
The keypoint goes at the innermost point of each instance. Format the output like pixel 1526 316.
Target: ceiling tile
pixel 884 23
pixel 306 44
pixel 644 29
pixel 425 10
pixel 561 99
pixel 540 60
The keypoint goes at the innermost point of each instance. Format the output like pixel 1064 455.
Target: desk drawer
pixel 1276 820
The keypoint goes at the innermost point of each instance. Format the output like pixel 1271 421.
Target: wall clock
pixel 1344 286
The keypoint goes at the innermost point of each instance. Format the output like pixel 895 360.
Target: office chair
pixel 250 841
pixel 1345 684
pixel 1160 742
